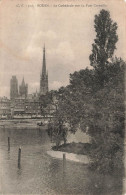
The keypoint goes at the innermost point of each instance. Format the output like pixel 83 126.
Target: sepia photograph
pixel 62 97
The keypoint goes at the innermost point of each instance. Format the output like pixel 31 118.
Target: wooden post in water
pixel 8 143
pixel 64 156
pixel 64 160
pixel 64 166
pixel 19 157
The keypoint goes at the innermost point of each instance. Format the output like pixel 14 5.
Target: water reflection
pixel 19 158
pixel 19 171
pixel 38 173
pixel 8 157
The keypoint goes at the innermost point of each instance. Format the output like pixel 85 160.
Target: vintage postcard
pixel 62 97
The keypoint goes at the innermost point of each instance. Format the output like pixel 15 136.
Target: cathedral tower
pixel 23 88
pixel 44 76
pixel 13 87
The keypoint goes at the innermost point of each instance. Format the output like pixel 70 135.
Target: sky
pixel 67 32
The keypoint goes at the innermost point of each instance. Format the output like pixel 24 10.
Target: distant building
pixel 44 76
pixel 32 105
pixel 23 89
pixel 18 105
pixel 13 87
pixel 5 107
pixel 51 109
pixel 26 107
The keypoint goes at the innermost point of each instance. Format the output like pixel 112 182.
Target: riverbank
pixel 77 152
pixel 76 148
pixel 69 156
pixel 21 123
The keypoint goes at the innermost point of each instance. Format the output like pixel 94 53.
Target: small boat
pixel 40 124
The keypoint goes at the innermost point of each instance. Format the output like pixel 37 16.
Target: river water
pixel 39 173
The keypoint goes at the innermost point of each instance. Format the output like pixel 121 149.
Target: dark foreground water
pixel 41 174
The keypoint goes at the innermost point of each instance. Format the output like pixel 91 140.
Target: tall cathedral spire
pixel 44 76
pixel 44 62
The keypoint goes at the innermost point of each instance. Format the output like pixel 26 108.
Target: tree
pixel 44 101
pixel 95 99
pixel 107 121
pixel 104 46
pixel 57 131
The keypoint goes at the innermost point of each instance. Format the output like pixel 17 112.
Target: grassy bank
pixel 76 148
pixel 21 124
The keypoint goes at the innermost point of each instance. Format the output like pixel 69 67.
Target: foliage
pixel 45 100
pixel 57 131
pixel 94 100
pixel 76 148
pixel 99 112
pixel 106 125
pixel 105 44
pixel 106 122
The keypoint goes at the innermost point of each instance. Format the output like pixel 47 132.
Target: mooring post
pixel 19 157
pixel 8 143
pixel 64 160
pixel 64 165
pixel 64 156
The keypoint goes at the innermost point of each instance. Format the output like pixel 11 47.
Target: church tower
pixel 13 87
pixel 23 89
pixel 44 76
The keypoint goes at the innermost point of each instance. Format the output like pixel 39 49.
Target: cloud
pixel 68 37
pixel 33 86
pixel 5 91
pixel 60 51
pixel 37 42
pixel 36 84
pixel 57 84
pixel 58 56
pixel 63 52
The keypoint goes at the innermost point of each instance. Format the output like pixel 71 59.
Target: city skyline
pixel 22 89
pixel 68 43
pixel 62 91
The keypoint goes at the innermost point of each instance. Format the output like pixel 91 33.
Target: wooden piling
pixel 19 157
pixel 64 156
pixel 8 143
pixel 64 164
pixel 64 159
